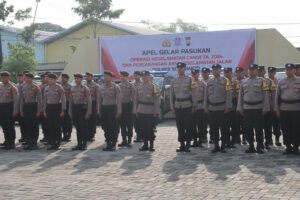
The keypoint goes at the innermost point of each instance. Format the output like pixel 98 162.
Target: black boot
pixel 108 144
pixel 195 143
pixel 296 150
pixel 187 146
pixel 288 150
pixel 129 142
pixel 181 148
pixel 138 139
pixel 83 147
pixel 223 150
pixel 277 142
pixel 244 140
pixel 145 146
pixel 259 149
pixel 151 146
pixel 216 148
pixel 112 146
pixel 124 142
pixel 251 149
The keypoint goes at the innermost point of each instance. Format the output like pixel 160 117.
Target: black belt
pixel 252 103
pixel 146 103
pixel 184 99
pixel 217 104
pixel 200 101
pixel 5 104
pixel 290 101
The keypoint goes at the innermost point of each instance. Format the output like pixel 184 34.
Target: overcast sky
pixel 214 14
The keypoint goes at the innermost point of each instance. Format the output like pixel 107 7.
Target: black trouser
pixel 54 123
pixel 205 121
pixel 240 127
pixel 67 122
pixel 31 122
pixel 268 128
pixel 290 127
pixel 126 121
pixel 81 124
pixel 7 122
pixel 184 123
pixel 21 125
pixel 231 127
pixel 137 125
pixel 199 125
pixel 146 122
pixel 216 122
pixel 253 119
pixel 43 122
pixel 109 123
pixel 92 122
pixel 275 123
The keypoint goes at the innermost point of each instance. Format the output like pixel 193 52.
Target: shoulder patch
pixel 265 84
pixel 228 85
pixel 193 84
pixel 155 91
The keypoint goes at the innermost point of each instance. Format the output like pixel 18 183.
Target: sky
pixel 214 14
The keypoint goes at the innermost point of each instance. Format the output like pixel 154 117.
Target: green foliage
pixel 21 57
pixel 49 27
pixel 28 33
pixel 5 10
pixel 22 15
pixel 96 10
pixel 178 27
pixel 73 47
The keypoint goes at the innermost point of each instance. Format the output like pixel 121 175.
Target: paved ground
pixel 164 174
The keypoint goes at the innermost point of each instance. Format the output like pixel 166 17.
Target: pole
pixel 36 7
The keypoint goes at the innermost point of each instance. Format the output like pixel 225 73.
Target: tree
pixel 178 27
pixel 28 33
pixel 49 27
pixel 21 57
pixel 96 10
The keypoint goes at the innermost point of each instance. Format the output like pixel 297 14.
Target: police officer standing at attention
pixel 92 122
pixel 126 120
pixel 67 122
pixel 198 117
pixel 30 109
pixel 217 103
pixel 297 67
pixel 183 104
pixel 54 107
pixel 287 107
pixel 20 80
pixel 110 106
pixel 9 100
pixel 274 121
pixel 205 72
pixel 80 109
pixel 137 82
pixel 253 104
pixel 146 107
pixel 43 121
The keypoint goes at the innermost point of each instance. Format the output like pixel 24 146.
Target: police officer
pixel 80 109
pixel 199 121
pixel 126 120
pixel 183 103
pixel 43 121
pixel 253 103
pixel 217 103
pixel 20 83
pixel 239 73
pixel 205 72
pixel 92 122
pixel 110 106
pixel 67 122
pixel 287 107
pixel 137 82
pixel 54 106
pixel 273 120
pixel 9 98
pixel 297 68
pixel 30 109
pixel 146 107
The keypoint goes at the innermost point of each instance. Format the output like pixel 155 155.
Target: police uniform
pixel 287 102
pixel 9 98
pixel 126 120
pixel 135 121
pixel 19 118
pixel 218 98
pixel 54 103
pixel 30 108
pixel 92 122
pixel 253 100
pixel 182 100
pixel 42 119
pixel 80 105
pixel 205 115
pixel 110 105
pixel 146 105
pixel 67 122
pixel 199 121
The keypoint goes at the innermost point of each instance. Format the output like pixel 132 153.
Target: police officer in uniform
pixel 66 122
pixel 297 68
pixel 43 121
pixel 146 107
pixel 54 106
pixel 92 122
pixel 217 103
pixel 110 106
pixel 205 72
pixel 199 121
pixel 20 83
pixel 273 120
pixel 253 104
pixel 30 109
pixel 9 99
pixel 137 82
pixel 126 120
pixel 80 109
pixel 287 107
pixel 183 104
